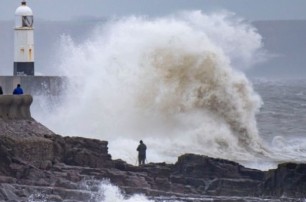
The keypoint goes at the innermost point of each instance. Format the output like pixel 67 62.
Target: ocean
pixel 178 84
pixel 282 116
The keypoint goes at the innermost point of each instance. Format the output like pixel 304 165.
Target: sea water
pixel 177 83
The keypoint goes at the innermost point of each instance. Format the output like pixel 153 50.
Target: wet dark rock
pixel 59 166
pixel 288 179
pixel 35 163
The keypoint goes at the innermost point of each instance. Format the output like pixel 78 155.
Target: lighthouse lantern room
pixel 24 41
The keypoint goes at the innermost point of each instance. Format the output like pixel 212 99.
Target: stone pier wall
pixel 15 106
pixel 34 85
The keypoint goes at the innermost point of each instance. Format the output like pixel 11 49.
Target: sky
pixel 63 10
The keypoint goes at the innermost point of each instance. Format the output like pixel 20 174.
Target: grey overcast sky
pixel 73 9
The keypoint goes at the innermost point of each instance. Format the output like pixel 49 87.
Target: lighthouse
pixel 24 41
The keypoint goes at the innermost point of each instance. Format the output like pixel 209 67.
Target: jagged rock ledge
pixel 35 162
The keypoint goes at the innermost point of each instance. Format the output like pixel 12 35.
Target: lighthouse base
pixel 23 68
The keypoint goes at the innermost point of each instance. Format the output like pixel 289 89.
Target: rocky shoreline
pixel 36 163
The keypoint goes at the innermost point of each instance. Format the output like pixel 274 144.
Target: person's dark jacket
pixel 142 149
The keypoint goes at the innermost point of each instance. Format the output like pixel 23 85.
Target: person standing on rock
pixel 18 90
pixel 141 153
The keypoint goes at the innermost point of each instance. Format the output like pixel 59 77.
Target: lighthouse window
pixel 27 21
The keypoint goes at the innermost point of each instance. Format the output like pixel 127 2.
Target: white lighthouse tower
pixel 24 41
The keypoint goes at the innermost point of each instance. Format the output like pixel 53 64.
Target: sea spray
pixel 104 191
pixel 111 193
pixel 174 82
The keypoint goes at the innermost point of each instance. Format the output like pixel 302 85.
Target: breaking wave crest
pixel 174 82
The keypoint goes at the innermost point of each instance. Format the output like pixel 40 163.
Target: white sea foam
pixel 106 192
pixel 111 193
pixel 174 82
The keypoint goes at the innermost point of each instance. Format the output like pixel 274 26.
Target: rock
pixel 288 179
pixel 36 163
pixel 54 198
pixel 7 192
